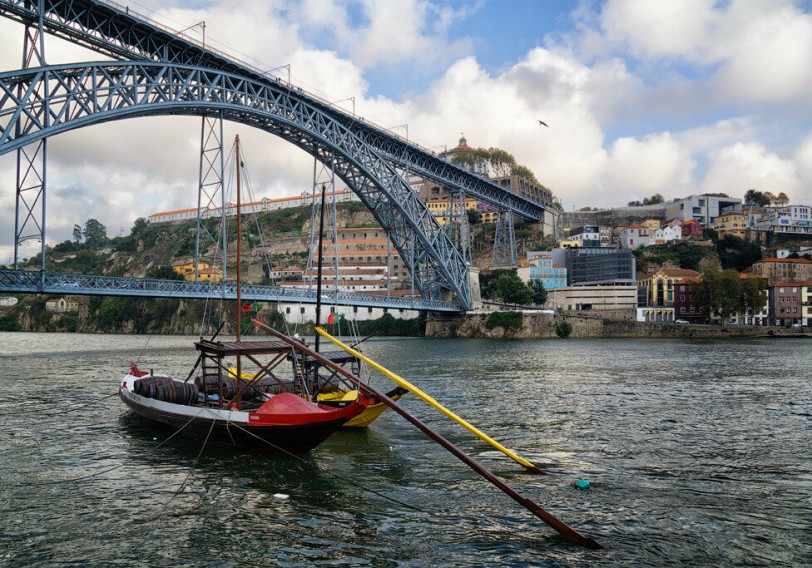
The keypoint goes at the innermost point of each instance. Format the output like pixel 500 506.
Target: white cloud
pixel 653 30
pixel 632 98
pixel 656 164
pixel 739 167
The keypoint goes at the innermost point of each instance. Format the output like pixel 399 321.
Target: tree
pixel 753 296
pixel 655 199
pixel 473 216
pixel 502 162
pixel 782 199
pixel 719 293
pixel 756 198
pixel 95 234
pixel 164 273
pixel 539 292
pixel 769 198
pixel 77 234
pixel 509 288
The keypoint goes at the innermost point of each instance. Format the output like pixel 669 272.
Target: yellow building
pixel 660 285
pixel 652 224
pixel 440 208
pixel 734 224
pixel 205 272
pixel 570 243
pixel 806 303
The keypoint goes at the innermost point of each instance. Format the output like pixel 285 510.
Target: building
pixel 731 223
pixel 792 219
pixel 360 261
pixel 264 205
pixel 701 208
pixel 603 298
pixel 806 302
pixel 541 268
pixel 661 284
pixel 685 307
pixel 596 266
pixel 287 274
pixel 634 236
pixel 655 315
pixel 586 236
pixel 444 211
pixel 783 269
pixel 786 302
pixel 206 273
pixel 652 224
pixel 62 305
pixel 691 228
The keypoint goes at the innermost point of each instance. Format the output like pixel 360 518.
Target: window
pixel 369 310
pixel 301 310
pixel 287 310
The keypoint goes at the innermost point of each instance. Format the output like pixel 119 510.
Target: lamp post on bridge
pixel 344 100
pixel 405 126
pixel 285 66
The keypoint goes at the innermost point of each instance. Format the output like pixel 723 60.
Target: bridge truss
pixel 159 72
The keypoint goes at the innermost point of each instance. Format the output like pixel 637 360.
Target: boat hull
pixel 231 428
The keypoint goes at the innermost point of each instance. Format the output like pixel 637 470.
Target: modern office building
pixel 701 208
pixel 596 265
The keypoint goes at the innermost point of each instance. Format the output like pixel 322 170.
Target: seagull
pixel 544 123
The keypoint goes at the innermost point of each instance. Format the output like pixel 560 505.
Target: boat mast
pixel 237 397
pixel 321 262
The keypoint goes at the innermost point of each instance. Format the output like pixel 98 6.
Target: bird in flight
pixel 544 123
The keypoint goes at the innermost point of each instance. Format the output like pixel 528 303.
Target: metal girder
pixel 504 241
pixel 29 211
pixel 111 29
pixel 26 281
pixel 101 92
pixel 210 187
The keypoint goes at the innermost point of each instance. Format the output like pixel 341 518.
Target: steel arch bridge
pixel 158 73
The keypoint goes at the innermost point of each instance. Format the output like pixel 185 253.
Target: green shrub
pixel 563 329
pixel 508 320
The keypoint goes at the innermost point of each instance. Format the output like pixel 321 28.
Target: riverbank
pixel 537 325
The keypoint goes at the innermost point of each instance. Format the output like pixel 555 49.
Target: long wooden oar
pixel 400 381
pixel 559 526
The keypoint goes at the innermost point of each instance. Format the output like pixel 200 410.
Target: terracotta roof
pixel 679 272
pixel 789 260
pixel 688 280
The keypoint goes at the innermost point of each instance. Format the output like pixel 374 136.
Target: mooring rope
pixel 335 475
pixel 178 431
pixel 81 406
pixel 191 469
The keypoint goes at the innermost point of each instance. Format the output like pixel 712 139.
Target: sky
pixel 640 97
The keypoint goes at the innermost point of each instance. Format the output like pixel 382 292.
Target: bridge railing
pixel 36 282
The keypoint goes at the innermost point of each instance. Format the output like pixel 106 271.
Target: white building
pixel 701 208
pixel 634 236
pixel 795 219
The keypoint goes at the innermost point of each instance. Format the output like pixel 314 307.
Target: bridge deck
pixel 36 282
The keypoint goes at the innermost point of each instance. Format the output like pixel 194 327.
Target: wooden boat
pixel 268 412
pixel 259 409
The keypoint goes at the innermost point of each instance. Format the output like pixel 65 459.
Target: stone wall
pixel 543 326
pixel 612 217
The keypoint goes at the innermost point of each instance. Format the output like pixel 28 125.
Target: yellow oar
pixel 426 398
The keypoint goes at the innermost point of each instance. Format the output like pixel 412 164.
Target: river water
pixel 698 453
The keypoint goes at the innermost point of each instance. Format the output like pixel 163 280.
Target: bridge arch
pixel 42 102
